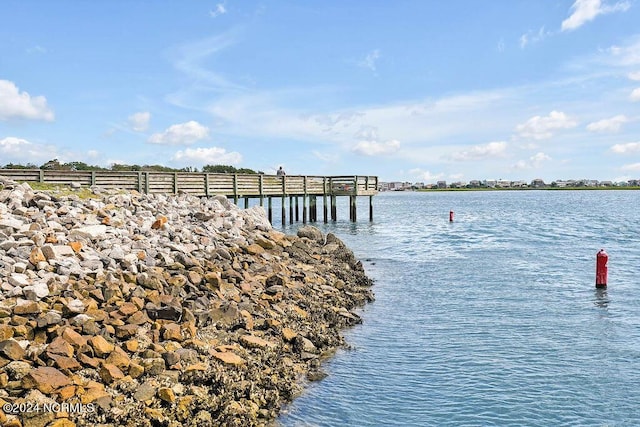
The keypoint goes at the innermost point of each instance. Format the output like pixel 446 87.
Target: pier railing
pixel 235 186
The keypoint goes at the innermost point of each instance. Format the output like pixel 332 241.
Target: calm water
pixel 492 320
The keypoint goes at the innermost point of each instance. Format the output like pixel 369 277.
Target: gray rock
pixel 90 232
pixel 311 232
pixel 36 292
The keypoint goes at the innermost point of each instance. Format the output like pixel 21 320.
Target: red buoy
pixel 450 216
pixel 601 269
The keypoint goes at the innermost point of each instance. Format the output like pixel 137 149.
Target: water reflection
pixel 602 300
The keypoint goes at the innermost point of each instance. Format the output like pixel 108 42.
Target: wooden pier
pixel 235 186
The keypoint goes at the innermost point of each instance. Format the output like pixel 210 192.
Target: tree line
pixel 55 164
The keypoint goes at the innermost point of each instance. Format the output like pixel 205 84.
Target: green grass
pixel 63 190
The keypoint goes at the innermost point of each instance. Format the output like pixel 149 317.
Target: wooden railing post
pixel 235 188
pixel 284 198
pixel 261 190
pixel 304 201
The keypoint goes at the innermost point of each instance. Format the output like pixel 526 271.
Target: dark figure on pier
pixel 281 172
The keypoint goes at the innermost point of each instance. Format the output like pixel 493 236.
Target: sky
pixel 406 90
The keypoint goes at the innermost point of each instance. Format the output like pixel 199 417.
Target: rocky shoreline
pixel 126 309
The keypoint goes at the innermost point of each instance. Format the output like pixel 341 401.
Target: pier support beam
pixel 370 208
pixel 284 212
pixel 352 208
pixel 290 209
pixel 334 209
pixel 304 209
pixel 325 209
pixel 313 208
pixel 270 210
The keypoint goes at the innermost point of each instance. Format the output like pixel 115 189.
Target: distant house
pixel 538 183
pixel 489 183
pixel 442 184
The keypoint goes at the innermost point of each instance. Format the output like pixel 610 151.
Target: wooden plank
pixel 230 185
pixel 27 175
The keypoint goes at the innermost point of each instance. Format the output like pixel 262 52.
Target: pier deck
pixel 235 186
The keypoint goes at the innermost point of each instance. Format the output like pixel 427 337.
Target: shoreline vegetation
pixel 124 309
pixel 524 189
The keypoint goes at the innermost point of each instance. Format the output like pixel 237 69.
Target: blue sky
pixel 406 90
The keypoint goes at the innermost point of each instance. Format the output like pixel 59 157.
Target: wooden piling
pixel 290 209
pixel 370 208
pixel 334 209
pixel 352 208
pixel 325 209
pixel 304 208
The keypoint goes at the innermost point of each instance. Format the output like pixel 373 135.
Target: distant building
pixel 442 184
pixel 538 183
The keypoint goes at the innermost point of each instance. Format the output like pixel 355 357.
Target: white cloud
pixel 534 162
pixel 533 37
pixel 630 147
pixel 139 122
pixel 484 151
pixel 635 95
pixel 539 127
pixel 181 134
pixel 538 158
pixel 20 105
pixel 326 157
pixel 626 55
pixel 370 60
pixel 375 148
pixel 633 167
pixel 423 175
pixel 18 150
pixel 634 76
pixel 587 10
pixel 37 49
pixel 11 145
pixel 608 125
pixel 220 9
pixel 211 155
pixel 197 61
